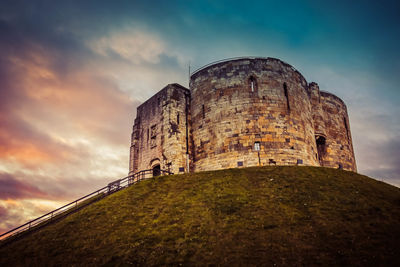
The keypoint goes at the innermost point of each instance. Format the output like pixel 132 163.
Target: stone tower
pixel 239 113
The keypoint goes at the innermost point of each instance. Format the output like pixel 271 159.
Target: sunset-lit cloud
pixel 72 74
pixel 132 45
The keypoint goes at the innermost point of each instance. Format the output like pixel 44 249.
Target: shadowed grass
pixel 252 216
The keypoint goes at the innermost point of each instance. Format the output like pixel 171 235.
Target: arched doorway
pixel 156 170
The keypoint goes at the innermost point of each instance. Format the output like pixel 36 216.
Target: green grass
pixel 253 216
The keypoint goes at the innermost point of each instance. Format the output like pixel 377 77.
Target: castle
pixel 238 113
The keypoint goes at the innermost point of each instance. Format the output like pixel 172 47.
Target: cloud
pixel 130 44
pixel 67 108
pixel 14 213
pixel 11 188
pixel 64 123
pixel 378 153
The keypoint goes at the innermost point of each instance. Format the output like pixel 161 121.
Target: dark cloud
pixel 11 188
pixel 380 159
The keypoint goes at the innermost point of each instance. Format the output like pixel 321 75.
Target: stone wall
pixel 339 151
pixel 240 113
pixel 159 133
pixel 238 103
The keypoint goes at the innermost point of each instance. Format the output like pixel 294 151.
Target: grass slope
pixel 251 216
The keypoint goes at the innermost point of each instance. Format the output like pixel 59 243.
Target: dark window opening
pixel 158 101
pixel 153 134
pixel 321 148
pixel 181 169
pixel 340 167
pixel 240 163
pixel 156 170
pixel 204 111
pixel 346 127
pixel 177 119
pixel 285 91
pixel 299 161
pixel 148 135
pixel 252 84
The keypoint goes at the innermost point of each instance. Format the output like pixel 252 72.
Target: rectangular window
pixel 177 119
pixel 204 112
pixel 153 133
pixel 240 163
pixel 181 169
pixel 257 146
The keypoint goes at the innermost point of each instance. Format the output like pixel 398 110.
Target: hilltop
pixel 250 216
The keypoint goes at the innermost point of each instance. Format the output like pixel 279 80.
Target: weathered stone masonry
pixel 240 113
pixel 160 133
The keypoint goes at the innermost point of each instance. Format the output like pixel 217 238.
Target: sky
pixel 72 74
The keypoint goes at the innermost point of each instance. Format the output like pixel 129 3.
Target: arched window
pixel 285 91
pixel 252 84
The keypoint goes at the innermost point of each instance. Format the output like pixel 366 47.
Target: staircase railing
pixel 111 188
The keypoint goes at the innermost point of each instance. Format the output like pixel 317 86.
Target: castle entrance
pixel 156 170
pixel 321 148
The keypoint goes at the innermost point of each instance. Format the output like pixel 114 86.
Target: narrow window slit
pixel 252 84
pixel 285 90
pixel 346 127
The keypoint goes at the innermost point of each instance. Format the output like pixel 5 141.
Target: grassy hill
pixel 251 216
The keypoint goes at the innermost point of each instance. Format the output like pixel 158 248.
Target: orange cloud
pixel 25 153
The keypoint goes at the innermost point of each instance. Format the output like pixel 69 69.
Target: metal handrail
pixel 236 58
pixel 107 190
pixel 224 60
